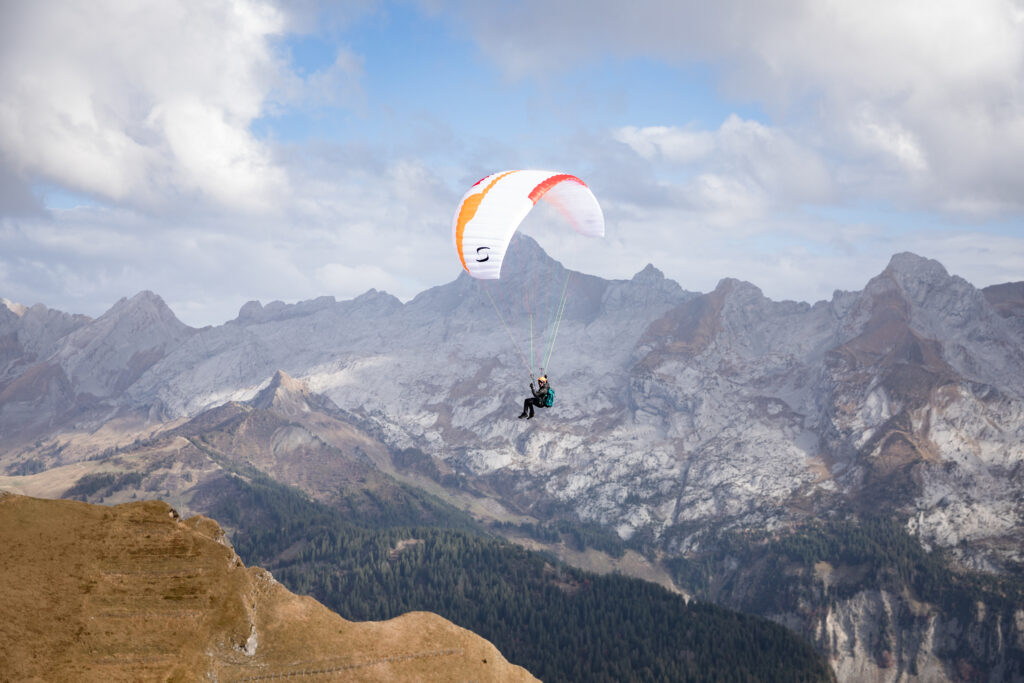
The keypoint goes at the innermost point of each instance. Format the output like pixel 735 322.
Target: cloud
pixel 173 122
pixel 889 139
pixel 735 175
pixel 16 197
pixel 757 203
pixel 354 227
pixel 931 92
pixel 669 143
pixel 340 277
pixel 143 104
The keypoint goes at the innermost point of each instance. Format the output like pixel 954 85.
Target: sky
pixel 222 151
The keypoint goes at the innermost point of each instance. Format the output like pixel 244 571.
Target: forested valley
pixel 560 623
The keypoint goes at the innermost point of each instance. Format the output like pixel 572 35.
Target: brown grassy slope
pixel 94 593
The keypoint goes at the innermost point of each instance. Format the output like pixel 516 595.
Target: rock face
pixel 56 369
pixel 133 592
pixel 875 635
pixel 677 412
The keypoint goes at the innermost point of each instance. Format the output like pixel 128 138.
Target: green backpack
pixel 549 400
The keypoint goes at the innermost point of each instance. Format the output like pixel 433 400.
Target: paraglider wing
pixel 491 211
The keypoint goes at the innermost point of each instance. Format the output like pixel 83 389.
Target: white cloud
pixel 213 156
pixel 932 91
pixel 673 144
pixel 736 174
pixel 890 139
pixel 383 226
pixel 349 281
pixel 144 104
pixel 152 109
pixel 756 206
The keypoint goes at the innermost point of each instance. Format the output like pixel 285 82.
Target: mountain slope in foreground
pixel 133 592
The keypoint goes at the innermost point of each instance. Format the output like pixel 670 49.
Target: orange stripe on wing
pixel 468 210
pixel 541 189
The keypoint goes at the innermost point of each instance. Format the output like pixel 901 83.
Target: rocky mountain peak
pixel 15 308
pixel 145 313
pixel 375 297
pixel 737 289
pixel 922 282
pixel 909 264
pixel 649 275
pixel 250 310
pixel 740 305
pixel 144 298
pixel 525 257
pixel 104 356
pixel 284 394
pixel 922 292
pixel 254 312
pixel 145 308
pixel 921 295
pixel 37 329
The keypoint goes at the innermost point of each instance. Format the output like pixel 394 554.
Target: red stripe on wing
pixel 539 191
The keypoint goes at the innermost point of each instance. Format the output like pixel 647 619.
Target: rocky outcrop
pixel 878 636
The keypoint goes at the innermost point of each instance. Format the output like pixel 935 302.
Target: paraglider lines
pixel 558 320
pixel 507 329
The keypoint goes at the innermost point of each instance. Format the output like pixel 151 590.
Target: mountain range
pixel 683 420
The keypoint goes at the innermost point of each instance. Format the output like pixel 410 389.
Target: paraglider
pixel 491 211
pixel 543 397
pixel 484 225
